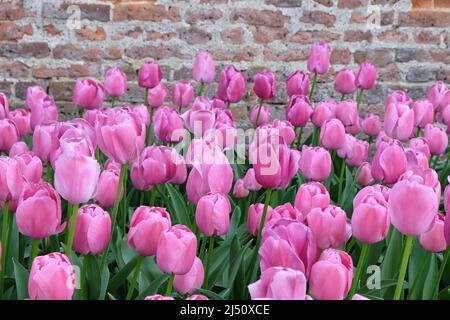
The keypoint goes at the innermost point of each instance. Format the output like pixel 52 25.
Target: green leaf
pixel 178 206
pixel 104 279
pixel 430 280
pixel 234 223
pixel 153 287
pixel 122 275
pixel 289 195
pixel 93 277
pixel 383 285
pixel 21 275
pixel 213 295
pixel 391 263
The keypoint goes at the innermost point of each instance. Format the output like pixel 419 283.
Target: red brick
pixel 361 17
pixel 424 19
pixel 308 37
pixel 11 31
pixel 74 71
pixel 155 52
pixel 75 52
pixel 241 54
pixel 61 90
pixel 194 16
pixel 357 36
pixel 326 3
pixel 350 4
pixel 422 3
pixel 155 35
pixel 265 35
pixel 286 55
pixel 51 29
pixel 147 11
pixel 24 49
pixel 234 35
pixel 131 33
pixel 90 35
pixel 379 57
pixel 97 12
pixel 194 35
pixel 256 17
pixel 318 17
pixel 13 69
pixel 427 37
pixel 340 56
pixel 393 36
pixel 441 4
pixel 11 10
pixel 285 3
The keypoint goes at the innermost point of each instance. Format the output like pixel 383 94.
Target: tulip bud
pixel 255 212
pixel 88 94
pixel 42 107
pixel 149 75
pixel 285 212
pixel 366 76
pixel 232 85
pixel 11 179
pixel 447 229
pixel 298 110
pixel 437 139
pixel 439 95
pixel 8 134
pixel 30 165
pixel 323 111
pixel 347 112
pixel 389 162
pixel 371 125
pixel 315 163
pixel 239 190
pixel 297 83
pixel 182 93
pixel 332 134
pixel 264 84
pixel 115 82
pixel 4 106
pixel 158 297
pixel 107 182
pixel 250 182
pixel 354 151
pixel 204 67
pixel 197 297
pixel 311 195
pixel 398 97
pixel 18 148
pixel 264 115
pixel 213 214
pixel 423 113
pixel 434 239
pixel 191 281
pixel 200 117
pixel 168 125
pixel 399 121
pixel 21 119
pixel 345 81
pixel 156 95
pixel 365 174
pixel 420 144
pixel 319 58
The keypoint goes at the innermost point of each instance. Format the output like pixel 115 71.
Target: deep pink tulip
pixel 204 67
pixel 92 230
pixel 412 207
pixel 332 134
pixel 399 121
pixel 286 212
pixel 288 244
pixel 447 229
pixel 120 134
pixel 157 95
pixel 88 94
pixel 434 239
pixel 176 250
pixel 298 110
pixel 319 58
pixel 146 227
pixel 142 111
pixel 76 177
pixel 365 174
pixel 11 179
pixel 377 188
pixel 191 281
pixel 38 213
pixel 108 182
pixel 331 276
pixel 213 214
pixel 30 165
pixel 370 219
pixel 420 144
pixel 439 96
pixel 371 125
pixel 232 85
pixel 279 283
pixel 264 114
pixel 417 161
pixel 180 169
pixel 437 139
pixel 315 163
pixel 8 134
pixel 182 93
pixel 42 107
pixel 354 151
pixel 427 177
pixel 311 195
pixel 21 119
pixel 18 148
pixel 345 81
pixel 149 75
pixel 297 83
pixel 447 198
pixel 398 97
pixel 359 297
pixel 200 117
pixel 255 212
pixel 323 111
pixel 285 130
pixel 347 112
pixel 52 277
pixel 4 106
pixel 115 82
pixel 158 297
pixel 168 125
pixel 329 226
pixel 423 113
pixel 239 189
pixel 389 162
pixel 250 182
pixel 197 297
pixel 45 141
pixel 265 85
pixel 367 76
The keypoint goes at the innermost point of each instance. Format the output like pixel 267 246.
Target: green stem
pixel 299 138
pixel 84 294
pixel 34 251
pixel 124 203
pixel 149 128
pixel 170 285
pixel 208 262
pixel 433 161
pixel 341 179
pixel 137 269
pixel 5 225
pixel 313 86
pixel 48 173
pixel 73 223
pixel 342 97
pixel 422 265
pixel 361 263
pixel 141 198
pixel 153 196
pixel 359 97
pixel 263 217
pixel 202 247
pixel 444 169
pixel 441 272
pixel 315 137
pixel 403 267
pixel 113 102
pixel 201 89
pixel 146 97
pixel 260 102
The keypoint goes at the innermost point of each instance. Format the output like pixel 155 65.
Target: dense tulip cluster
pixel 162 201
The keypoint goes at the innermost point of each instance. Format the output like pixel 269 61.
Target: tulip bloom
pixel 108 180
pixel 149 75
pixel 332 134
pixel 365 174
pixel 354 151
pixel 434 239
pixel 176 250
pixel 420 144
pixel 399 121
pixel 11 179
pixel 297 83
pixel 92 230
pixel 31 166
pixel 200 117
pixel 311 195
pixel 345 81
pixel 437 139
pixel 250 182
pixel 192 280
pixel 264 115
pixel 168 125
pixel 255 212
pixel 182 93
pixel 439 96
pixel 8 134
pixel 232 85
pixel 157 95
pixel 315 163
pixel 323 111
pixel 398 97
pixel 38 213
pixel 366 76
pixel 389 162
pixel 319 58
pixel 4 106
pixel 18 148
pixel 264 84
pixel 285 212
pixel 279 284
pixel 146 226
pixel 239 190
pixel 88 94
pixel 213 214
pixel 204 67
pixel 347 112
pixel 331 276
pixel 52 277
pixel 298 110
pixel 371 125
pixel 423 113
pixel 447 229
pixel 21 119
pixel 42 107
pixel 115 82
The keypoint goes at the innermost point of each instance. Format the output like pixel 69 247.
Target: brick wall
pixel 43 42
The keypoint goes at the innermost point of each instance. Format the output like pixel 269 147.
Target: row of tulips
pixel 112 195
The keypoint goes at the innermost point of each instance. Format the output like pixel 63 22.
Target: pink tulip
pixel 200 117
pixel 42 107
pixel 11 179
pixel 365 174
pixel 197 297
pixel 384 191
pixel 168 125
pixel 315 163
pixel 92 230
pixel 38 213
pixel 288 244
pixel 4 106
pixel 447 198
pixel 366 77
pixel 264 114
pixel 120 134
pixel 371 125
pixel 45 141
pixel 52 277
pixel 323 111
pixel 265 85
pixel 427 177
pixel 399 121
pixel 417 161
pixel 239 190
pixel 21 119
pixel 182 93
pixel 30 165
pixel 331 276
pixel 412 207
pixel 149 75
pixel 285 130
pixel 204 67
pixel 279 284
pixel 447 229
pixel 191 281
pixel 176 250
pixel 420 144
pixel 329 226
pixel 250 182
pixel 319 58
pixel 146 227
pixel 88 94
pixel 8 134
pixel 18 148
pixel 345 81
pixel 232 85
pixel 311 195
pixel 437 139
pixel 213 214
pixel 285 212
pixel 298 110
pixel 389 162
pixel 370 219
pixel 359 297
pixel 332 134
pixel 434 239
pixel 354 151
pixel 107 187
pixel 115 82
pixel 157 95
pixel 158 297
pixel 180 169
pixel 255 212
pixel 76 177
pixel 398 97
pixel 142 112
pixel 347 112
pixel 423 113
pixel 297 83
pixel 439 96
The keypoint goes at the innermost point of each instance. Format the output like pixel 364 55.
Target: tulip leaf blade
pixel 122 275
pixel 21 275
pixel 178 206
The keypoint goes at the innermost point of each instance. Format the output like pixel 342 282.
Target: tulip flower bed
pixel 148 202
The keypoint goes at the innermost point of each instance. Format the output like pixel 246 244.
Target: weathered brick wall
pixel 44 42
